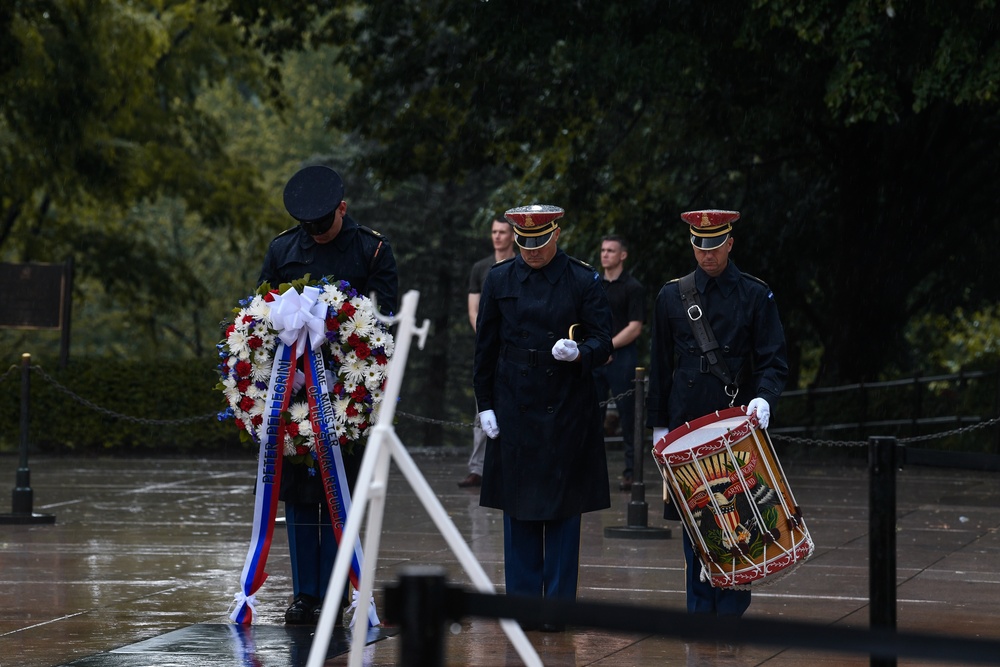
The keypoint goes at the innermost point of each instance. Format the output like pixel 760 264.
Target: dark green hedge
pixel 122 393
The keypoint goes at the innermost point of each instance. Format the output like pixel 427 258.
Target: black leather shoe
pixel 302 611
pixel 472 480
pixel 626 483
pixel 337 622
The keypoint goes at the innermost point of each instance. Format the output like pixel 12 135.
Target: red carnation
pixel 254 342
pixel 243 368
pixel 360 393
pixel 351 411
pixel 343 439
pixel 363 351
pixel 247 319
pixel 230 329
pixel 269 297
pixel 381 359
pixel 301 450
pixel 243 384
pixel 246 404
pixel 347 309
pixel 292 429
pixel 257 420
pixel 240 424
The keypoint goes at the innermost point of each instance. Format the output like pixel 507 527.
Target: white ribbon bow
pixel 238 599
pixel 353 610
pixel 297 317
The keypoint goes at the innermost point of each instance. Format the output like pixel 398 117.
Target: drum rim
pixel 711 418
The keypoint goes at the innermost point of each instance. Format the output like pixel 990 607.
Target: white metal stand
pixel 384 445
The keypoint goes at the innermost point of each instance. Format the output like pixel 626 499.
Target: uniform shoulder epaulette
pixel 371 231
pixel 287 231
pixel 582 263
pixel 670 282
pixel 758 280
pixel 502 262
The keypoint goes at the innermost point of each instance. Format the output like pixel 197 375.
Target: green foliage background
pixel 150 141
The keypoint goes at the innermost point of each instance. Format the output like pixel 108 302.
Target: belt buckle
pixel 532 358
pixel 705 366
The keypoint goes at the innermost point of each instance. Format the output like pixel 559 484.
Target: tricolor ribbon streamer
pixel 279 395
pixel 300 320
pixel 331 463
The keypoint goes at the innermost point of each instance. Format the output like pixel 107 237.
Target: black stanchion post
pixel 637 513
pixel 419 609
pixel 23 496
pixel 882 537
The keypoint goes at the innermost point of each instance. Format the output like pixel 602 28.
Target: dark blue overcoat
pixel 549 461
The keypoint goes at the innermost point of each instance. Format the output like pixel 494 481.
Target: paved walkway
pixel 144 557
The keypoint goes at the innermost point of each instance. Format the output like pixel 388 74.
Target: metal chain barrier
pixel 902 441
pixel 427 420
pixel 441 422
pixel 111 413
pixel 8 372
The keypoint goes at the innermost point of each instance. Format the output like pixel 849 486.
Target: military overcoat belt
pixel 532 358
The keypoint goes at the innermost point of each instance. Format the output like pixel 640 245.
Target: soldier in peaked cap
pixel 545 460
pixel 326 242
pixel 684 385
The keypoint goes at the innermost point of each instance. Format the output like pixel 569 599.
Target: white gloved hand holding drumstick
pixel 760 407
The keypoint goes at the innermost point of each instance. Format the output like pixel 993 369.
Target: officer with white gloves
pixel 545 459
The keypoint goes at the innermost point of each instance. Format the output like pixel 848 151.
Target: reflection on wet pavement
pixel 143 559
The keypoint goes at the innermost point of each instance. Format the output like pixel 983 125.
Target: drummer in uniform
pixel 544 325
pixel 742 314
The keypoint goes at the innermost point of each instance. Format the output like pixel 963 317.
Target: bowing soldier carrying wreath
pixel 317 335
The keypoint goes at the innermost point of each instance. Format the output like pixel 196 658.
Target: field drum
pixel 733 499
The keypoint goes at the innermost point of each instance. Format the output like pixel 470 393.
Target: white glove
pixel 565 350
pixel 763 410
pixel 488 420
pixel 298 380
pixel 659 432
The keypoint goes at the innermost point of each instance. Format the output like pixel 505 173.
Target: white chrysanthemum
pixel 332 296
pixel 259 309
pixel 237 343
pixel 353 369
pixel 261 370
pixel 347 327
pixel 231 393
pixel 306 430
pixel 340 409
pixel 363 305
pixel 255 392
pixel 289 447
pixel 299 411
pixel 363 324
pixel 373 377
pixel 382 338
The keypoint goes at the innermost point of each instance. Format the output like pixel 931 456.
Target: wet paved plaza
pixel 145 555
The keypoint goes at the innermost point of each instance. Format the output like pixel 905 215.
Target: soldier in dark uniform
pixel 741 312
pixel 545 460
pixel 326 242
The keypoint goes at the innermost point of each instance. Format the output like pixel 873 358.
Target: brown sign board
pixel 33 295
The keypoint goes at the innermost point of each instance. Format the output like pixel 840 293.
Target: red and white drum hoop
pixel 733 498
